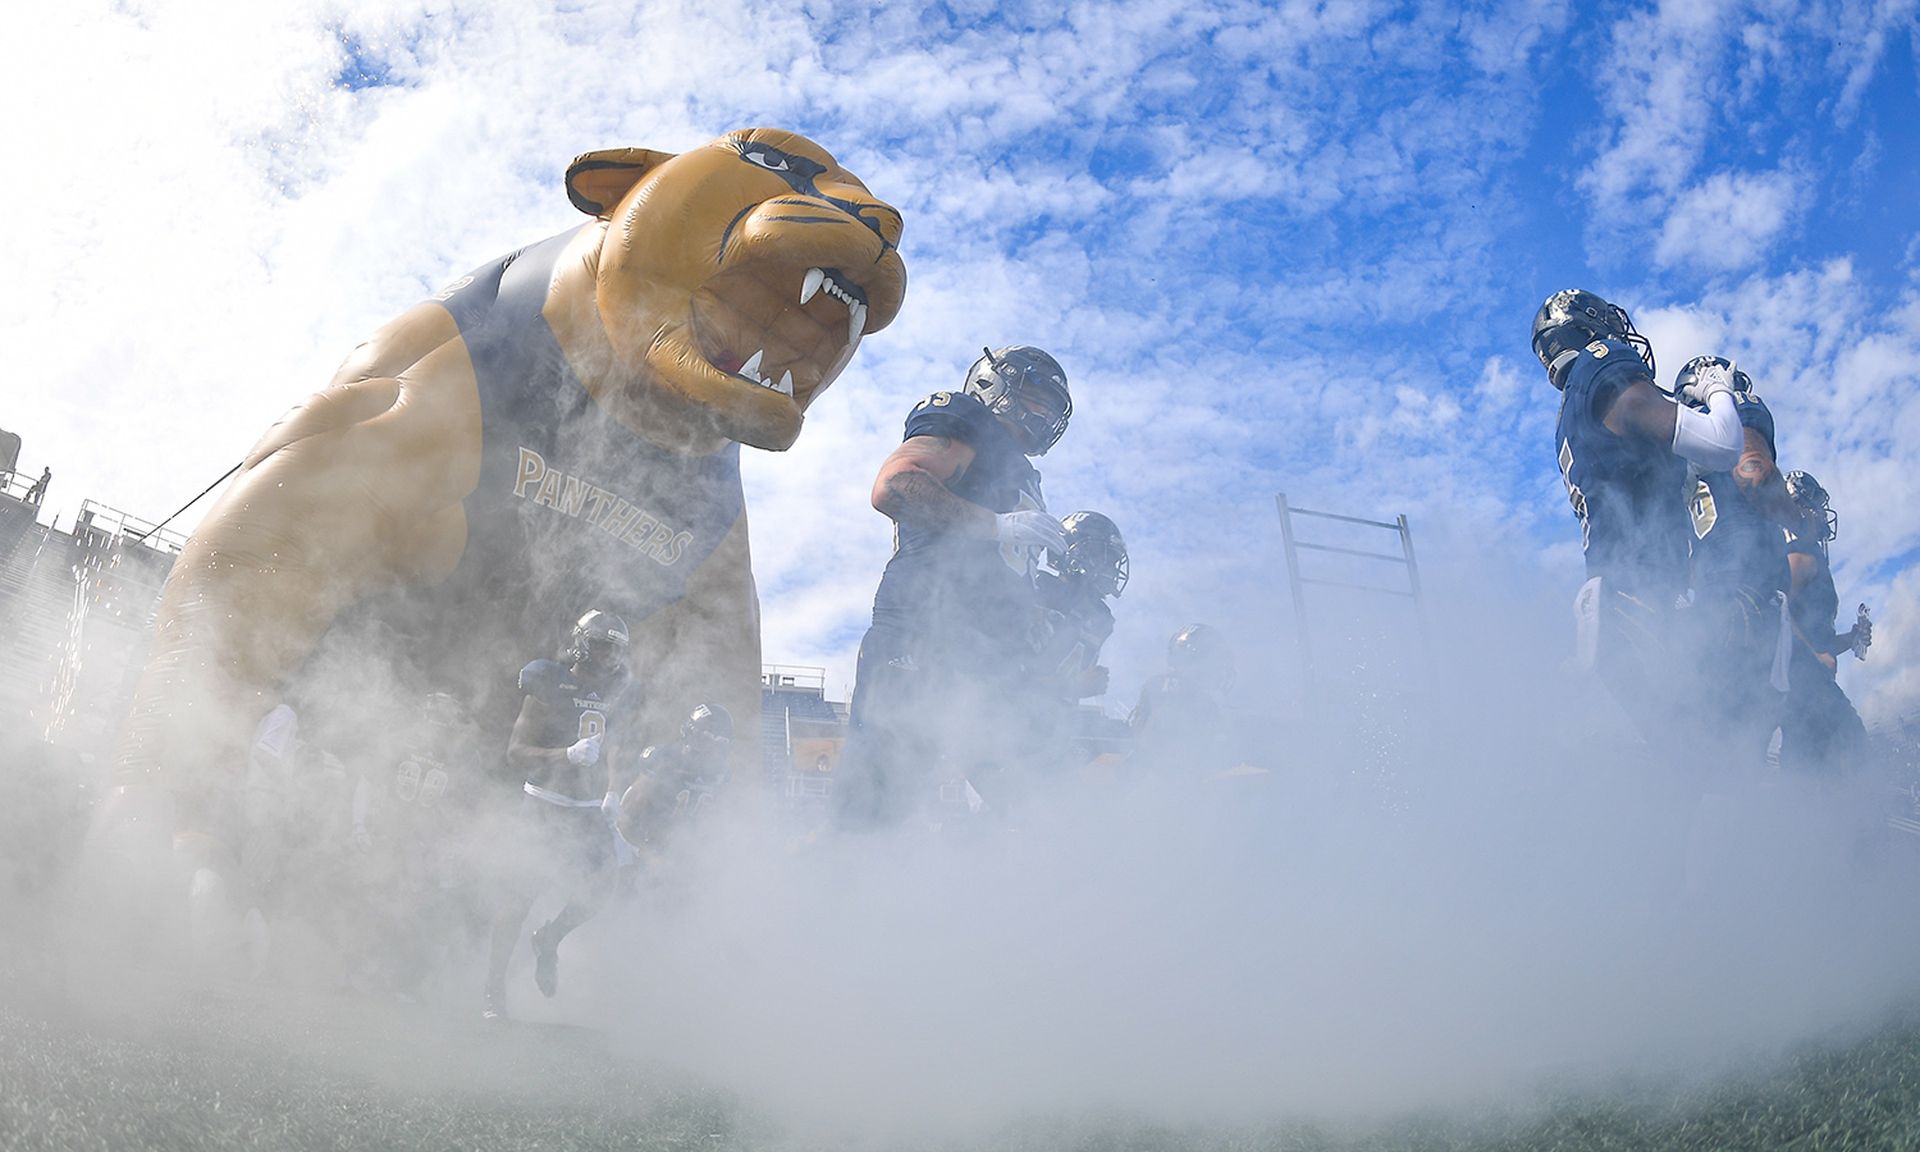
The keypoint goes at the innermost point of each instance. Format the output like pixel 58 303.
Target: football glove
pixel 1029 529
pixel 1708 379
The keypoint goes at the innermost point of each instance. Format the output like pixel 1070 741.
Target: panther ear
pixel 596 181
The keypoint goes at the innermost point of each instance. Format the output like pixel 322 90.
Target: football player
pixel 943 657
pixel 410 819
pixel 1181 720
pixel 562 743
pixel 677 781
pixel 1623 447
pixel 1074 624
pixel 1820 730
pixel 1739 572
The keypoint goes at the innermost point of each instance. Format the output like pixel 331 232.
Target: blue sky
pixel 1275 246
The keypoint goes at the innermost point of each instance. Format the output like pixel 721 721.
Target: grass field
pixel 235 1070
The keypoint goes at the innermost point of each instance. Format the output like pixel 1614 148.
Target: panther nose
pixel 879 216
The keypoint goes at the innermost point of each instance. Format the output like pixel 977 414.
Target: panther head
pixel 732 283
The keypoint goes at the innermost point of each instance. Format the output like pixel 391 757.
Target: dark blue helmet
pixel 1573 318
pixel 1199 655
pixel 599 643
pixel 1026 388
pixel 708 726
pixel 1754 412
pixel 1807 493
pixel 1094 552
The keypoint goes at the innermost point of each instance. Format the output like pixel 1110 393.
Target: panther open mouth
pixel 785 329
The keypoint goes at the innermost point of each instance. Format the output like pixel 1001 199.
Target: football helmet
pixel 1094 552
pixel 1199 654
pixel 599 643
pixel 708 727
pixel 444 711
pixel 1807 493
pixel 1754 412
pixel 1027 389
pixel 1573 318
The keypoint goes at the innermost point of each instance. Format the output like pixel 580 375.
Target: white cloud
pixel 1298 186
pixel 1728 221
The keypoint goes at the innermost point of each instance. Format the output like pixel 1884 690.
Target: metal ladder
pixel 1297 583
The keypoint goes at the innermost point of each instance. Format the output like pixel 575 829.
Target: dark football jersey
pixel 1628 494
pixel 967 595
pixel 573 510
pixel 575 708
pixel 1075 625
pixel 678 789
pixel 1817 606
pixel 1736 547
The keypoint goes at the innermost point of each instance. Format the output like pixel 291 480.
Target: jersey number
pixel 592 724
pixel 1575 497
pixel 1705 515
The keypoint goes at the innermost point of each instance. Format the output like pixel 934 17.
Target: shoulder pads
pixel 1607 359
pixel 541 676
pixel 953 414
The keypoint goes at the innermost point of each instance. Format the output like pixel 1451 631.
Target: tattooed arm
pixel 912 487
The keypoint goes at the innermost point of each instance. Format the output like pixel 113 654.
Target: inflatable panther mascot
pixel 557 431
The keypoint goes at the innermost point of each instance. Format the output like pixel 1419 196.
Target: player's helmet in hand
pixel 1027 389
pixel 1573 318
pixel 1094 553
pixel 1199 654
pixel 599 643
pixel 1807 493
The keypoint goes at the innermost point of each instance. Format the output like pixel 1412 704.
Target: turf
pixel 232 1070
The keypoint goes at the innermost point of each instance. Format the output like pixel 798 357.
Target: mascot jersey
pixel 572 511
pixel 955 590
pixel 1737 550
pixel 577 708
pixel 1628 494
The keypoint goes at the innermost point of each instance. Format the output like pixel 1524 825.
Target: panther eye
pixel 771 161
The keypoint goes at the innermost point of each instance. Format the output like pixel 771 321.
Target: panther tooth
pixel 785 387
pixel 751 369
pixel 856 323
pixel 811 284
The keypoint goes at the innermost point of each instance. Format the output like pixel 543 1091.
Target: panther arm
pixel 358 487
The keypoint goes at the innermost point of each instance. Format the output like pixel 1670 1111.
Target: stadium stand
pixel 75 611
pixel 801 732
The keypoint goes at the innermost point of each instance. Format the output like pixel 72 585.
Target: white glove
pixel 584 752
pixel 1709 379
pixel 1028 529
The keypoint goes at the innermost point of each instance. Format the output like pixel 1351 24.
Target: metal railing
pixel 17 484
pixel 98 520
pixel 798 676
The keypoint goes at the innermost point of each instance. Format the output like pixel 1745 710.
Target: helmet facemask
pixel 599 644
pixel 707 733
pixel 1094 555
pixel 1027 390
pixel 1572 319
pixel 1812 499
